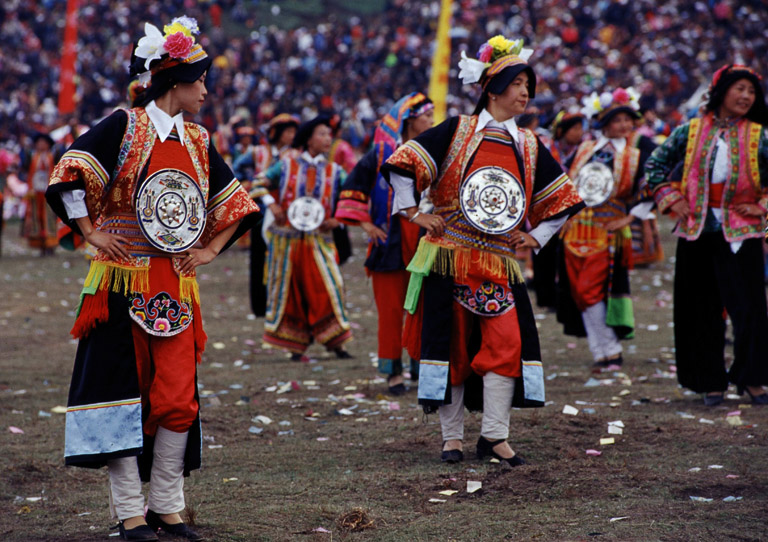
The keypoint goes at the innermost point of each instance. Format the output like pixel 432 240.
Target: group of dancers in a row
pixel 448 210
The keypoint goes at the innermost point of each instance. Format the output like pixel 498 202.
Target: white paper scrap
pixel 572 411
pixel 473 486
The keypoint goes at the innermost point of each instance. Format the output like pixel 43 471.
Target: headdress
pixel 279 123
pixel 499 61
pixel 392 124
pixel 605 106
pixel 727 76
pixel 169 57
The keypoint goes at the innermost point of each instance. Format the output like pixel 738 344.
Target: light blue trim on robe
pixel 433 379
pixel 533 380
pixel 103 428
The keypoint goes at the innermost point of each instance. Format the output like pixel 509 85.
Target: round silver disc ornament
pixel 594 183
pixel 171 210
pixel 305 213
pixel 493 200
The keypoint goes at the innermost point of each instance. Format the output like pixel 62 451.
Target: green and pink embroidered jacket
pixel 681 170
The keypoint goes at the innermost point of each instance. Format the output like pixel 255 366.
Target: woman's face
pixel 321 140
pixel 286 138
pixel 738 99
pixel 620 125
pixel 574 134
pixel 513 101
pixel 190 96
pixel 421 123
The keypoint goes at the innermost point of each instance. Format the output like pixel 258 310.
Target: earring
pixel 174 86
pixel 493 98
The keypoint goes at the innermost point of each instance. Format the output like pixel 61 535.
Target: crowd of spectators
pixel 357 66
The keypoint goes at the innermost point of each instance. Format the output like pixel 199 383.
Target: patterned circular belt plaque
pixel 594 183
pixel 171 210
pixel 305 213
pixel 493 200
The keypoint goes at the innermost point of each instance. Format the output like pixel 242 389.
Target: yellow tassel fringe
pixel 457 262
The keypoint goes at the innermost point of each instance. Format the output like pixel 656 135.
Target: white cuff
pixel 403 187
pixel 267 200
pixel 74 204
pixel 643 211
pixel 545 230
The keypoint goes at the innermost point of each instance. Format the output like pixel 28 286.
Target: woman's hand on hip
pixel 195 257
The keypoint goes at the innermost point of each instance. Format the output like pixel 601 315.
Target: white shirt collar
pixel 314 160
pixel 164 123
pixel 486 119
pixel 618 144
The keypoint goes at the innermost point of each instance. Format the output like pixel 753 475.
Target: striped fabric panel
pixel 497 135
pixel 550 189
pixel 89 161
pixel 425 157
pixel 128 227
pixel 219 199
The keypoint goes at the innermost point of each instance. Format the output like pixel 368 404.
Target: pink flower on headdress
pixel 178 45
pixel 620 96
pixel 485 52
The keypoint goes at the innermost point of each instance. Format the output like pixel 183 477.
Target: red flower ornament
pixel 178 45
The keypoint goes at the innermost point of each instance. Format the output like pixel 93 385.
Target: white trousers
pixel 601 338
pixel 166 485
pixel 497 400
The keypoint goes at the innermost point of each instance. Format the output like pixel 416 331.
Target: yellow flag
pixel 441 62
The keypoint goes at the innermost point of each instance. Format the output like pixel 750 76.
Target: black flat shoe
pixel 177 529
pixel 451 456
pixel 142 532
pixel 713 400
pixel 761 399
pixel 485 448
pixel 397 389
pixel 342 354
pixel 605 363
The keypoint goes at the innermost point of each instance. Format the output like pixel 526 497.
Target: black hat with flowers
pixel 162 59
pixel 499 62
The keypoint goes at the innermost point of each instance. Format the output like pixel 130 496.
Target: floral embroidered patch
pixel 162 315
pixel 489 299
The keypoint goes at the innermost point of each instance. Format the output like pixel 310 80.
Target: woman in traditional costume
pixel 305 290
pixel 597 243
pixel 720 203
pixel 367 201
pixel 281 131
pixel 154 197
pixel 478 340
pixel 39 221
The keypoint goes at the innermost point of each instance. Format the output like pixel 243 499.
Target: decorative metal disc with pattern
pixel 305 213
pixel 493 200
pixel 171 210
pixel 595 184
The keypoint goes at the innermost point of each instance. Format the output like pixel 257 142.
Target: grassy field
pixel 342 461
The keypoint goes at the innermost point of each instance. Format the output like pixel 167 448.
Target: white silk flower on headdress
pixel 591 105
pixel 152 45
pixel 470 70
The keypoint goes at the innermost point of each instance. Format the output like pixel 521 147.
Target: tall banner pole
pixel 441 62
pixel 68 59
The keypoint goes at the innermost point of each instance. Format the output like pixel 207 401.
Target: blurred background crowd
pixel 356 58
